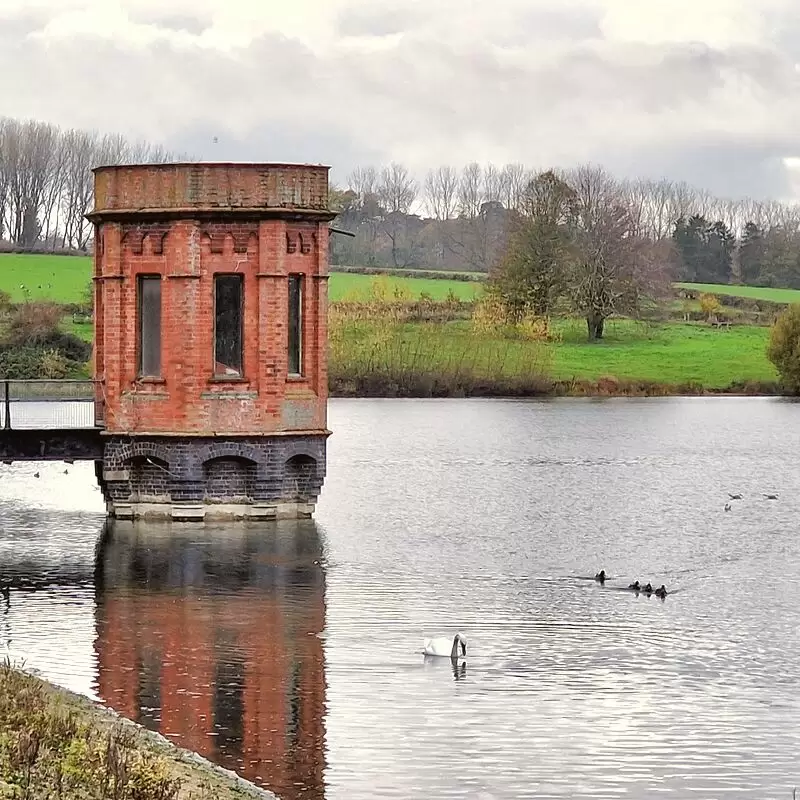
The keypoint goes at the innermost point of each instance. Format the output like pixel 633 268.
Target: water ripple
pixel 292 653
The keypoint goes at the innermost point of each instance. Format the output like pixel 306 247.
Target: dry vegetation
pixel 386 344
pixel 57 745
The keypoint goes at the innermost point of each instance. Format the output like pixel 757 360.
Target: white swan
pixel 442 646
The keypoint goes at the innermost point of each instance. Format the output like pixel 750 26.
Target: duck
pixel 728 506
pixel 444 647
pixel 734 496
pixel 661 591
pixel 771 496
pixel 601 576
pixel 635 586
pixel 647 589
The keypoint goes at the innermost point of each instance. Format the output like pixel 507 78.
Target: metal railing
pixel 50 404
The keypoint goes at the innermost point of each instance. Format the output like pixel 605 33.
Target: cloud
pixel 696 90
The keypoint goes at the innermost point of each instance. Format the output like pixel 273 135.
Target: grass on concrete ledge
pixel 54 744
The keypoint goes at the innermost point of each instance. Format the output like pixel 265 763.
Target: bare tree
pixel 397 192
pixel 441 186
pixel 470 194
pixel 514 178
pixel 440 192
pixel 608 276
pixel 492 185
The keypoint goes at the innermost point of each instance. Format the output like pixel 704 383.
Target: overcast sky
pixel 706 91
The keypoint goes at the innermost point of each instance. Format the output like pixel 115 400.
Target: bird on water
pixel 734 496
pixel 444 647
pixel 771 496
pixel 601 576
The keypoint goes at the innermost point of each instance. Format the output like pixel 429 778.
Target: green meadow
pixel 672 354
pixel 63 279
pixel 751 292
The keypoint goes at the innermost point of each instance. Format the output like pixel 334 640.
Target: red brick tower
pixel 211 339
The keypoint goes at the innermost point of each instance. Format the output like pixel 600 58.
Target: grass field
pixel 751 292
pixel 64 279
pixel 672 353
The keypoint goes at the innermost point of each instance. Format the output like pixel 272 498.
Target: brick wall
pixel 229 479
pixel 209 186
pixel 164 237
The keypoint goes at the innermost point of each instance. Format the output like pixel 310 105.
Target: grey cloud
pixel 377 20
pixel 174 22
pixel 276 142
pixel 551 92
pixel 732 169
pixel 556 24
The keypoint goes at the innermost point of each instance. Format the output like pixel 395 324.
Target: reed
pixel 380 348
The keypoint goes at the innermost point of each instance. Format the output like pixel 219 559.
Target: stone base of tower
pixel 211 478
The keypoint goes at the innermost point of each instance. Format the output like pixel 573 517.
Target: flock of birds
pixel 733 497
pixel 636 586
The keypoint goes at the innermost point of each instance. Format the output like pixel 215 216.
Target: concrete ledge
pixel 199 512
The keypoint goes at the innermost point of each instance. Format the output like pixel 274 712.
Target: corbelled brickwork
pixel 183 226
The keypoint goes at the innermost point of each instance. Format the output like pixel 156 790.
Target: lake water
pixel 291 653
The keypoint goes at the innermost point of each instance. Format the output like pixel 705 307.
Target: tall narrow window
pixel 295 324
pixel 149 326
pixel 228 313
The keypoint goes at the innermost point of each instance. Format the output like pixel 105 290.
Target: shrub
pixel 69 346
pixel 53 365
pixel 709 304
pixel 784 348
pixel 20 363
pixel 33 323
pixel 47 751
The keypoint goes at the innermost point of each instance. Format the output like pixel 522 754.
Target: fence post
pixel 6 406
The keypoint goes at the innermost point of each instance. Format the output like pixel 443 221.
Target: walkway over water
pixel 50 420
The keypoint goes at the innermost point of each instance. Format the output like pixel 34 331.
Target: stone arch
pixel 150 449
pixel 300 478
pixel 149 478
pixel 243 450
pixel 229 478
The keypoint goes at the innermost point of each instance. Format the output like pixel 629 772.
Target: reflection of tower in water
pixel 209 635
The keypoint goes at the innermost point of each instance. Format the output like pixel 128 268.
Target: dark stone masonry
pixel 196 478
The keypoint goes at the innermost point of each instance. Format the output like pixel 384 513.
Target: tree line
pixel 461 219
pixel 46 183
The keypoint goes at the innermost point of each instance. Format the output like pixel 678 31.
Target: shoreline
pixel 194 777
pixel 425 387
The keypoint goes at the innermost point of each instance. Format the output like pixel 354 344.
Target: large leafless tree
pixel 46 180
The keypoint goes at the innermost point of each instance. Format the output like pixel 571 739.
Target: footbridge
pixel 51 420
